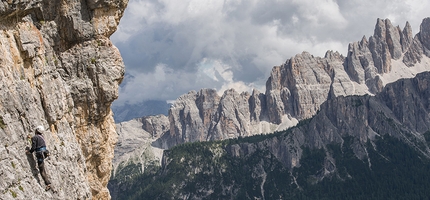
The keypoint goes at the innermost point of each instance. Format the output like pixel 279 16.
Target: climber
pixel 38 144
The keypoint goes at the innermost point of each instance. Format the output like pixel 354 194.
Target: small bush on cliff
pixel 2 124
pixel 14 195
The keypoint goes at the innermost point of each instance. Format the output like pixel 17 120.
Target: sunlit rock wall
pixel 60 70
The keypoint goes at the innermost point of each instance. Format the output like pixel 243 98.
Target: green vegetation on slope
pixel 206 170
pixel 395 171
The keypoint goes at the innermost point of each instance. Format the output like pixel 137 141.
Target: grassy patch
pixel 14 195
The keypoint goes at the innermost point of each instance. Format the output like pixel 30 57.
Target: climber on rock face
pixel 38 145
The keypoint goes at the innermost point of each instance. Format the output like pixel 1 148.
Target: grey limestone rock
pixel 420 45
pixel 425 34
pixel 406 37
pixel 156 125
pixel 414 53
pixel 60 70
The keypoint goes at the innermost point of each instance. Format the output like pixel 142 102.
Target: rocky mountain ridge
pixel 297 88
pixel 352 143
pixel 60 70
pixel 399 110
pixel 294 92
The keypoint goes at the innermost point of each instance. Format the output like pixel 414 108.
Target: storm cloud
pixel 171 47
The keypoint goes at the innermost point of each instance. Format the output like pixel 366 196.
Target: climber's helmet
pixel 39 129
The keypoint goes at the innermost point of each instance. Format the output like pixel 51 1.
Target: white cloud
pixel 223 74
pixel 171 47
pixel 321 13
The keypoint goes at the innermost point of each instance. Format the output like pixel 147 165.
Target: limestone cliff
pixel 296 89
pixel 60 70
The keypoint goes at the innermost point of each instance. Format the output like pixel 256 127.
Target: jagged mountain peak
pixel 296 89
pixel 303 87
pixel 353 140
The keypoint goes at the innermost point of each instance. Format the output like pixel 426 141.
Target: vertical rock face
pixel 420 45
pixel 409 101
pixel 299 86
pixel 60 70
pixel 204 116
pixel 425 35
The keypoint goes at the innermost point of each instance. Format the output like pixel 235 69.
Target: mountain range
pixel 296 89
pixel 357 147
pixel 373 97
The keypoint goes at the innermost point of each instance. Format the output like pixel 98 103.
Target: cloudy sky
pixel 171 47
